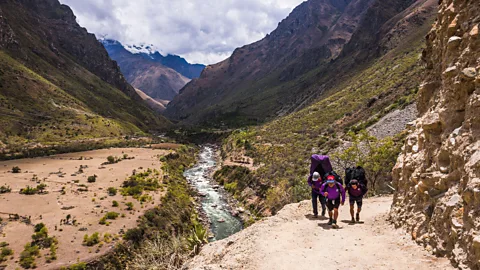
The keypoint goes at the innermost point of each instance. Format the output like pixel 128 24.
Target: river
pixel 223 224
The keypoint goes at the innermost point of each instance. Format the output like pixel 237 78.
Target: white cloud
pixel 202 31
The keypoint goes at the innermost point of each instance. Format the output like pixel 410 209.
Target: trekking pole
pixel 392 188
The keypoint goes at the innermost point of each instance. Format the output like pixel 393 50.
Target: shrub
pixel 52 256
pixel 16 169
pixel 112 191
pixel 115 204
pixel 77 266
pixel 5 189
pixel 129 205
pixel 111 159
pixel 135 235
pixel 145 198
pixel 40 237
pixel 28 191
pixel 92 178
pixel 27 257
pixel 91 240
pixel 103 221
pixel 132 191
pixel 5 252
pixel 39 227
pixel 111 215
pixel 41 188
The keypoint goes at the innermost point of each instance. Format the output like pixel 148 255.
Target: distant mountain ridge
pixel 150 52
pixel 146 69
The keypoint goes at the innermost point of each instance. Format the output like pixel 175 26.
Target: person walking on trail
pixel 355 193
pixel 316 183
pixel 335 195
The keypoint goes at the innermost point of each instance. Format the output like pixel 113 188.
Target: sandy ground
pixel 47 208
pixel 294 240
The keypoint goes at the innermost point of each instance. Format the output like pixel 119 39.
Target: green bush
pixel 111 159
pixel 16 169
pixel 5 252
pixel 28 190
pixel 91 240
pixel 129 205
pixel 27 257
pixel 115 204
pixel 111 215
pixel 5 189
pixel 92 179
pixel 78 266
pixel 112 191
pixel 38 227
pixel 52 256
pixel 231 187
pixel 41 188
pixel 103 221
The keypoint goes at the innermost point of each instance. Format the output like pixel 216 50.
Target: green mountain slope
pixel 57 83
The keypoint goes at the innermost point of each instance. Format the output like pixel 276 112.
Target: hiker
pixel 356 190
pixel 315 183
pixel 333 190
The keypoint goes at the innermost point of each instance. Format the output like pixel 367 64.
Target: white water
pixel 223 224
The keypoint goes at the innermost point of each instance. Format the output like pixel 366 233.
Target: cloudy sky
pixel 202 31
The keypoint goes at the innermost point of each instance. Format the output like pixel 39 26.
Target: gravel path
pixel 294 240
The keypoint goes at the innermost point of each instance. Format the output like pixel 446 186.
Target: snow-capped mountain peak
pixel 142 48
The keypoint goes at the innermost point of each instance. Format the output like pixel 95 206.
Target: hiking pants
pixel 322 200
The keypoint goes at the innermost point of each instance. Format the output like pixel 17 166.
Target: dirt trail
pixel 292 240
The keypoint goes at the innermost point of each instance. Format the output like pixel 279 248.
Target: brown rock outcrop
pixel 437 176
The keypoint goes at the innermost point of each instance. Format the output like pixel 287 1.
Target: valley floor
pixel 87 206
pixel 294 240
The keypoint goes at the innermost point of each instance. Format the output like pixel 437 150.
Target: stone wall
pixel 437 176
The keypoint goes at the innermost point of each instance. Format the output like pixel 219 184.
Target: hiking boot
pixel 353 220
pixel 334 224
pixel 323 212
pixel 315 215
pixel 358 217
pixel 330 221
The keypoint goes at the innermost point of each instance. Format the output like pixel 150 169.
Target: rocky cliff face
pixel 437 177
